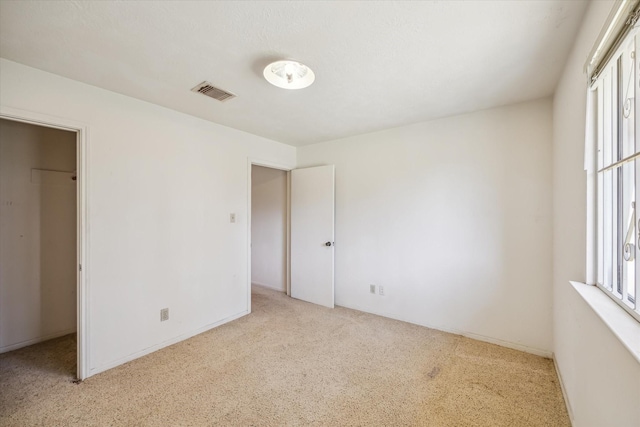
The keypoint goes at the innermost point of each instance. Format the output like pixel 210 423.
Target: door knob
pixel 328 244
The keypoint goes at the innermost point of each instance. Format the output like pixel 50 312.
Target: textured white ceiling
pixel 378 64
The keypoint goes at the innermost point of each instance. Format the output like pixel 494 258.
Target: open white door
pixel 312 233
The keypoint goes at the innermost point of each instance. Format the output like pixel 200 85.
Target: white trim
pixel 621 323
pixel 565 395
pixel 502 343
pixel 267 164
pixel 82 150
pixel 26 343
pixel 264 163
pixel 164 344
pixel 590 166
pixel 288 238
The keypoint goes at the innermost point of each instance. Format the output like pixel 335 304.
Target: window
pixel 617 223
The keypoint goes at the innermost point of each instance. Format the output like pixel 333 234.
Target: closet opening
pixel 269 232
pixel 39 245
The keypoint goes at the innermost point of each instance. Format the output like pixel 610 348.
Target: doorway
pixel 40 242
pixel 306 258
pixel 269 228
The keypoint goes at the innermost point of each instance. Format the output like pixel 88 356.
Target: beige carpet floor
pixel 290 363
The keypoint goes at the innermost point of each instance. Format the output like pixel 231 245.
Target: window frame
pixel 611 229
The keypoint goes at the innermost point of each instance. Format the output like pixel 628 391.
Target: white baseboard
pixel 516 346
pixel 275 288
pixel 106 367
pixel 564 390
pixel 36 340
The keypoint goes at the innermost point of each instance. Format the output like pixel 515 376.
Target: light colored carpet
pixel 290 363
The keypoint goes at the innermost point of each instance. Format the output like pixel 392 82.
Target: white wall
pixel 601 378
pixel 161 187
pixel 269 227
pixel 453 218
pixel 37 234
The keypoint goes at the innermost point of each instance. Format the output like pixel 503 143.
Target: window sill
pixel 623 326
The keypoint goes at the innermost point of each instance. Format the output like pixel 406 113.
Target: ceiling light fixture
pixel 289 74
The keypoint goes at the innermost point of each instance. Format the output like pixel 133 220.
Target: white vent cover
pixel 211 91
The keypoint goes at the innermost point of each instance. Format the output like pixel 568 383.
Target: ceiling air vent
pixel 211 91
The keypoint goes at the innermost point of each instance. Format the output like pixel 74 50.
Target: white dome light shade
pixel 289 74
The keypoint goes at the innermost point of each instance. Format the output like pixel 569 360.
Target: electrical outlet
pixel 164 314
pixel 232 217
pixel 381 290
pixel 372 289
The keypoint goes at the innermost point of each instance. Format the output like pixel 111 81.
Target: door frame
pixel 82 220
pixel 267 164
